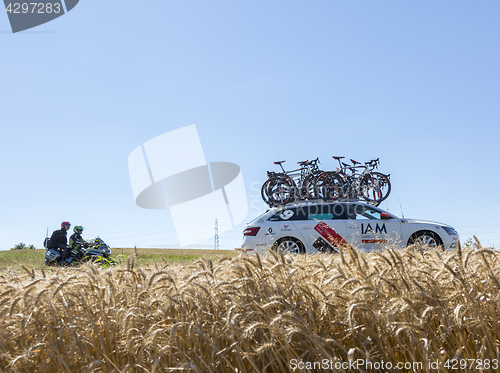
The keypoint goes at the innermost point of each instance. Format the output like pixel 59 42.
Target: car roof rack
pixel 318 201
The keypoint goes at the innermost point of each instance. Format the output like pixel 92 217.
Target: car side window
pixel 365 212
pixel 321 212
pixel 327 216
pixel 370 214
pixel 289 214
pixel 334 211
pixel 340 210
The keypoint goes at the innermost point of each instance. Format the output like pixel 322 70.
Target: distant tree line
pixel 22 246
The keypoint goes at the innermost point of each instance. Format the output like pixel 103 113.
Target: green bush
pixel 22 245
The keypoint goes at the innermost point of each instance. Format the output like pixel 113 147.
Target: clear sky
pixel 415 83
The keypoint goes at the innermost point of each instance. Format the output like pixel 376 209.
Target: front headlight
pixel 450 231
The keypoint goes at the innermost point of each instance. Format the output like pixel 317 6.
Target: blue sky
pixel 415 83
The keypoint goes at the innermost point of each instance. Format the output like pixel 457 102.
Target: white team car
pixel 328 227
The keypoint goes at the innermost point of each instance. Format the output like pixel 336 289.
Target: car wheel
pixel 425 239
pixel 289 245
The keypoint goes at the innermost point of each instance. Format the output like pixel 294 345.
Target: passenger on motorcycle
pixel 59 239
pixel 76 242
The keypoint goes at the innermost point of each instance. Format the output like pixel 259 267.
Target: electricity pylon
pixel 216 237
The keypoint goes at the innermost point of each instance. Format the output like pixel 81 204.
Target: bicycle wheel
pixel 278 191
pixel 375 187
pixel 328 186
pixel 308 189
pixel 264 194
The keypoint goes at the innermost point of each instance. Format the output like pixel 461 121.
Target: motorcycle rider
pixel 76 241
pixel 59 239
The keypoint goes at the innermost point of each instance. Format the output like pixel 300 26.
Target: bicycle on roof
pixel 355 182
pixel 289 186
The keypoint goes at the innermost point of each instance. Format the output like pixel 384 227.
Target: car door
pixel 323 231
pixel 281 224
pixel 370 228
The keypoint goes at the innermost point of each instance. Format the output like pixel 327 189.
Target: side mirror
pixel 385 216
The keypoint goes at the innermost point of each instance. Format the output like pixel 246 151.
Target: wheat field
pixel 270 313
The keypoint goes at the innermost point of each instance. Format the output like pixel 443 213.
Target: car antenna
pixel 46 241
pixel 401 207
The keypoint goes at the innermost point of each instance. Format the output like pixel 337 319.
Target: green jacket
pixel 75 242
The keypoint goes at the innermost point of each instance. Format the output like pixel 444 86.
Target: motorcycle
pixel 95 250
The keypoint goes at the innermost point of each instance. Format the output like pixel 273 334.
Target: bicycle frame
pixel 304 177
